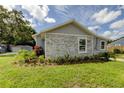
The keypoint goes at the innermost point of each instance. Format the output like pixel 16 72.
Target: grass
pixel 110 74
pixel 120 56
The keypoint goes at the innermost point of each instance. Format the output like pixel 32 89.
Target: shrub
pixel 38 50
pixel 86 58
pixel 25 56
pixel 117 51
pixel 102 57
pixel 41 59
pixel 112 55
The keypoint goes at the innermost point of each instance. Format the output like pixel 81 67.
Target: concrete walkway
pixel 117 59
pixel 120 59
pixel 5 54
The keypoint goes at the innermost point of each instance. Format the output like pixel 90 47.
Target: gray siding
pixel 96 44
pixel 40 42
pixel 69 29
pixel 60 45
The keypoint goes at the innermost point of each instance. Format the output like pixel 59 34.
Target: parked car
pixel 2 49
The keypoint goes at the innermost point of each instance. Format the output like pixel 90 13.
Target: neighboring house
pixel 16 48
pixel 116 44
pixel 70 38
pixel 19 47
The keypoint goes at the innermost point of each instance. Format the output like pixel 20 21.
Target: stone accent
pixel 60 45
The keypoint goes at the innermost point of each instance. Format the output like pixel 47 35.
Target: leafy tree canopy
pixel 14 29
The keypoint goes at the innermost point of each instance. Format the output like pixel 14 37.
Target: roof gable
pixel 71 22
pixel 71 28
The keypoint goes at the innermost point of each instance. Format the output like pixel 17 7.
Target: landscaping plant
pixel 117 51
pixel 101 57
pixel 25 56
pixel 38 50
pixel 29 57
pixel 41 59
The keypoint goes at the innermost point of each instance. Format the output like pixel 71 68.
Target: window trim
pixel 85 45
pixel 101 44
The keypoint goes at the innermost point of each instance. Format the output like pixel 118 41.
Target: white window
pixel 102 45
pixel 82 45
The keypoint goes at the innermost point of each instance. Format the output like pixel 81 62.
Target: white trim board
pixel 92 45
pixel 68 34
pixel 104 46
pixel 45 44
pixel 85 45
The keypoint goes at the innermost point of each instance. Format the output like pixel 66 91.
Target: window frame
pixel 101 44
pixel 79 45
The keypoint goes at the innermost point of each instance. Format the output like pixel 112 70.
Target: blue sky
pixel 107 21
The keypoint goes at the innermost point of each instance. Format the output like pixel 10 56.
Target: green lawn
pixel 109 74
pixel 120 56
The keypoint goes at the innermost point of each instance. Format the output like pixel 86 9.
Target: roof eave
pixel 68 22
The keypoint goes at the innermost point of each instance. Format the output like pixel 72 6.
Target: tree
pixel 14 29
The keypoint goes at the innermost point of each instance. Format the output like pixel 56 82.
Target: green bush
pixel 112 55
pixel 117 51
pixel 41 59
pixel 25 56
pixel 102 57
pixel 86 58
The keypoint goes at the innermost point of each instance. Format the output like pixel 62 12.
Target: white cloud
pixel 33 25
pixel 112 34
pixel 117 25
pixel 50 20
pixel 64 10
pixel 32 22
pixel 94 28
pixel 9 7
pixel 105 16
pixel 37 12
pixel 121 7
pixel 28 19
pixel 107 34
pixel 61 7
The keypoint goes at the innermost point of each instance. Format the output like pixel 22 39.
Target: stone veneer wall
pixel 60 45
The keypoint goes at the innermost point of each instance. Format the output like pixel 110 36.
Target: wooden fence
pixel 111 48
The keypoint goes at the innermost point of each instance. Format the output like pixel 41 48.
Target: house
pixel 70 38
pixel 116 44
pixel 19 47
pixel 13 48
